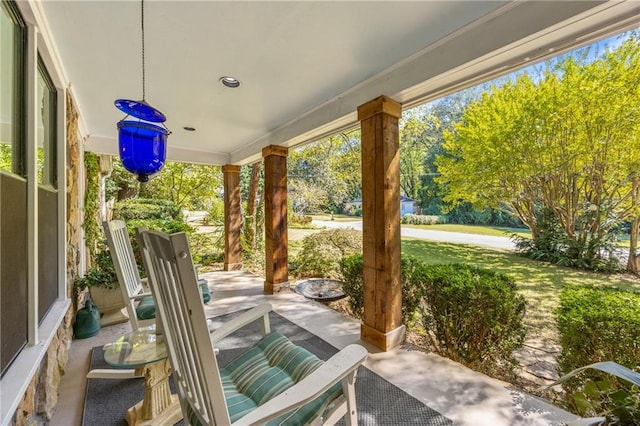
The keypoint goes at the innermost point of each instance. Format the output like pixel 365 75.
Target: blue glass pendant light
pixel 142 144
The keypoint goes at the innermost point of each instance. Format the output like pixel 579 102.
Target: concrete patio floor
pixel 464 396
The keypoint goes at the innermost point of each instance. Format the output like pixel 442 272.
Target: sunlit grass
pixel 474 229
pixel 336 217
pixel 539 282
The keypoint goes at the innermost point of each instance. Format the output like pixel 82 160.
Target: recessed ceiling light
pixel 230 82
pixel 189 128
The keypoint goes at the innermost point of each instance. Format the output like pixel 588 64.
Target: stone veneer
pixel 41 397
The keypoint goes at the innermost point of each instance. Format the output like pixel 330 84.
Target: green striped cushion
pixel 204 289
pixel 268 369
pixel 146 309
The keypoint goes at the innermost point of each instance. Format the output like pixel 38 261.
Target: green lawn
pixel 336 217
pixel 539 282
pixel 474 229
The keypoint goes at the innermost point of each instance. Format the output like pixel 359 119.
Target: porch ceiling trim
pixel 516 35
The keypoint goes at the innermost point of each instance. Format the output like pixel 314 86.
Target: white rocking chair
pixel 139 301
pixel 274 382
pixel 134 289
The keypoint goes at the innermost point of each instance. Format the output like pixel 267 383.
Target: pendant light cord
pixel 142 26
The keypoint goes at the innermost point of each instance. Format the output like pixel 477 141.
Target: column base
pixel 272 288
pixel 379 339
pixel 233 266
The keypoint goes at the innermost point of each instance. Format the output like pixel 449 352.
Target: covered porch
pixel 460 394
pixel 299 84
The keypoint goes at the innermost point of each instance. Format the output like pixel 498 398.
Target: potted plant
pixel 102 282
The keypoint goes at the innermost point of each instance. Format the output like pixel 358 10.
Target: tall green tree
pixel 416 140
pixel 567 142
pixel 324 175
pixel 189 186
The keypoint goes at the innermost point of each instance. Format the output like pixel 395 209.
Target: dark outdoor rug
pixel 379 402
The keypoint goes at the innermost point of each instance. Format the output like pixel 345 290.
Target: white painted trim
pixel 61 166
pixel 17 378
pixel 32 184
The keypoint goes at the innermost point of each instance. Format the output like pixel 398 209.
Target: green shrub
pixel 207 248
pixel 146 208
pixel 419 219
pixel 299 220
pixel 597 324
pixel 472 316
pixel 215 215
pixel 351 269
pixel 167 226
pixel 102 273
pixel 321 252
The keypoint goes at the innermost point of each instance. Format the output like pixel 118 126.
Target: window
pixel 47 194
pixel 12 84
pixel 46 128
pixel 13 187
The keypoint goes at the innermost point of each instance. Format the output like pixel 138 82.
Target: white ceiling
pixel 304 66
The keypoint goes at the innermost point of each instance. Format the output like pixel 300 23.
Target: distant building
pixel 407 206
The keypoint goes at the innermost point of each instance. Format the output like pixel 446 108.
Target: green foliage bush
pixel 596 253
pixel 146 208
pixel 215 215
pixel 299 220
pixel 600 324
pixel 92 230
pixel 466 214
pixel 473 316
pixel 419 219
pixel 321 252
pixel 102 273
pixel 351 269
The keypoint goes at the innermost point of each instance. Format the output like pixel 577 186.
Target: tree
pixel 121 184
pixel 329 169
pixel 251 210
pixel 188 185
pixel 416 141
pixel 567 142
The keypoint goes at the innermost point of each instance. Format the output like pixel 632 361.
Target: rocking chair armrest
pixel 331 372
pixel 253 314
pixel 140 295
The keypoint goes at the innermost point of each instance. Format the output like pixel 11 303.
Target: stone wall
pixel 41 397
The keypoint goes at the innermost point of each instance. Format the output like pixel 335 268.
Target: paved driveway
pixel 433 235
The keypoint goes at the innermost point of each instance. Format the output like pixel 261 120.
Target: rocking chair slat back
pixel 178 299
pixel 126 270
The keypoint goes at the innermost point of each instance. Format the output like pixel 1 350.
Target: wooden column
pixel 382 324
pixel 232 218
pixel 275 219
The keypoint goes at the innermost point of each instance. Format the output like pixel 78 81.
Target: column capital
pixel 230 168
pixel 380 105
pixel 278 150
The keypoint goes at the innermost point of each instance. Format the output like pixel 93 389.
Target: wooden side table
pixel 146 352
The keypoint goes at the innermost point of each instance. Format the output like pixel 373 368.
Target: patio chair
pixel 139 300
pixel 273 382
pixel 141 307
